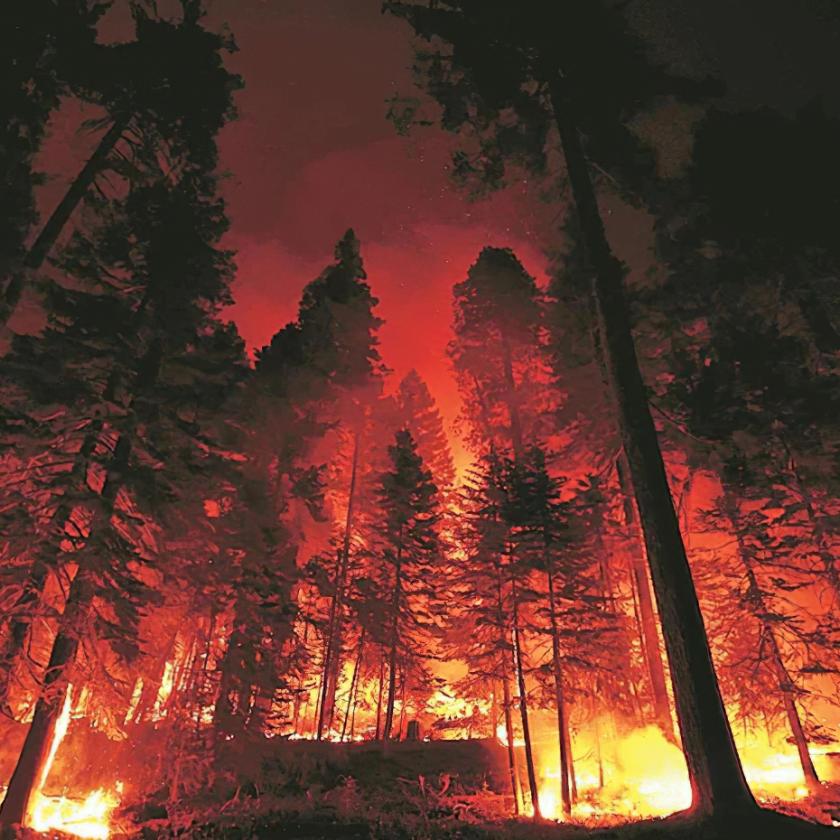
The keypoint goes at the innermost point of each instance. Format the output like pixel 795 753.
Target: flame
pixel 501 735
pixel 167 683
pixel 60 730
pixel 89 817
pixel 643 775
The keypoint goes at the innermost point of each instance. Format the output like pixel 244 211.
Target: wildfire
pixel 167 683
pixel 641 774
pixel 88 817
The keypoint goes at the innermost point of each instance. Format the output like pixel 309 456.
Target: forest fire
pixel 85 816
pixel 88 817
pixel 517 510
pixel 641 775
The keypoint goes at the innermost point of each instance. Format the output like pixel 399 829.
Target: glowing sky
pixel 313 154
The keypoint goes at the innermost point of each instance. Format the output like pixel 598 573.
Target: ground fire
pixel 418 420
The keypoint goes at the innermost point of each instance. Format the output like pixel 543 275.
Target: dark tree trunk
pixel 378 735
pixel 232 671
pixel 647 616
pixel 506 700
pixel 31 762
pixel 332 659
pixel 566 762
pixel 515 788
pixel 351 696
pixel 717 779
pixel 60 216
pixel 392 658
pixel 523 711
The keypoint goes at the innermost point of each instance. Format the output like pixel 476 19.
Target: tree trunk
pixel 352 693
pixel 523 710
pixel 515 787
pixel 36 746
pixel 332 663
pixel 232 670
pixel 717 779
pixel 566 762
pixel 378 734
pixel 647 617
pixel 506 700
pixel 512 399
pixel 403 692
pixel 786 685
pixel 392 659
pixel 51 231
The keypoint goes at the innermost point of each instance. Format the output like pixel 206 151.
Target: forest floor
pixel 364 792
pixel 403 822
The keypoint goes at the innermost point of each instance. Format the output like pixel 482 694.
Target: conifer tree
pixel 410 550
pixel 315 372
pixel 420 415
pixel 504 72
pixel 169 81
pixel 147 278
pixel 46 48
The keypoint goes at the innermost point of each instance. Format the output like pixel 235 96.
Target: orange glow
pixel 644 775
pixel 88 817
pixel 167 683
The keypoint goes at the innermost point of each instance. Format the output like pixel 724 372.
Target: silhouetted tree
pixel 504 73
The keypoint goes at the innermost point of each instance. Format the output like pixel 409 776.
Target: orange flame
pixel 88 817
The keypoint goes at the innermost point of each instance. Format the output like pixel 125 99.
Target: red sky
pixel 312 154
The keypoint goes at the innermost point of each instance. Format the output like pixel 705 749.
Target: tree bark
pixel 332 663
pixel 566 762
pixel 523 710
pixel 647 616
pixel 392 658
pixel 717 779
pixel 378 734
pixel 351 696
pixel 23 784
pixel 506 699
